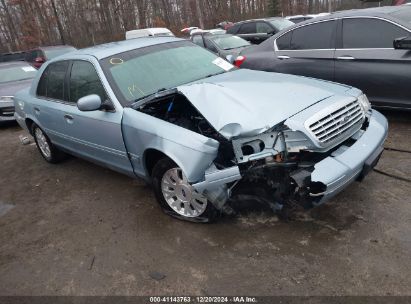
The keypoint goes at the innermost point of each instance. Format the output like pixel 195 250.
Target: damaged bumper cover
pixel 330 175
pixel 352 163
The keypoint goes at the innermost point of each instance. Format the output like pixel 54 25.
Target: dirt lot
pixel 78 229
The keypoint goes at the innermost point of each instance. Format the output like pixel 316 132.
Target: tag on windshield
pixel 28 69
pixel 221 63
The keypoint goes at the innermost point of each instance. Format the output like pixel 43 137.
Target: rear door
pixel 367 60
pixel 307 50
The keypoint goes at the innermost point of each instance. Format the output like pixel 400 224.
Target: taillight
pixel 239 61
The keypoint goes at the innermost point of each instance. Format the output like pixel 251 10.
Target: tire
pixel 49 151
pixel 177 197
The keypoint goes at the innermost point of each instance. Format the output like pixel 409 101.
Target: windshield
pixel 52 53
pixel 141 72
pixel 281 23
pixel 17 73
pixel 229 42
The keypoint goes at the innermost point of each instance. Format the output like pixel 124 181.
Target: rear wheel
pixel 49 151
pixel 177 197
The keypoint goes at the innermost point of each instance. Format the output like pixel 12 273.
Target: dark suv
pixel 40 55
pixel 14 56
pixel 258 30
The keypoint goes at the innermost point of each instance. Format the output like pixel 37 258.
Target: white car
pixel 149 32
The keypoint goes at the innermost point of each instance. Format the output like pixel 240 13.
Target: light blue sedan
pixel 202 132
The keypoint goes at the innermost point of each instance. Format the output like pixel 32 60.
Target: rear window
pixel 281 24
pixel 229 42
pixel 17 73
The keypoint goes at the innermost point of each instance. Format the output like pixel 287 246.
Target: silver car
pixel 202 132
pixel 14 76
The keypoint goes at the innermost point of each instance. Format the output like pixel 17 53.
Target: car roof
pixel 51 47
pixel 12 64
pixel 384 12
pixel 259 19
pixel 108 49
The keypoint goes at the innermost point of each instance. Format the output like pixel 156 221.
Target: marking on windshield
pixel 116 61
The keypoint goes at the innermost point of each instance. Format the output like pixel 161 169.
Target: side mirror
pixel 89 103
pixel 403 43
pixel 230 58
pixel 39 60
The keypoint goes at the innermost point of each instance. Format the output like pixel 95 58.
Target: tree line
pixel 29 23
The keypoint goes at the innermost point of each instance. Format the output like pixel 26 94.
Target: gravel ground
pixel 79 229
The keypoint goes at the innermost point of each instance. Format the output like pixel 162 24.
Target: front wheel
pixel 177 197
pixel 49 151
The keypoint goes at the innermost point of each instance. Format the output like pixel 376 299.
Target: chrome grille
pixel 341 120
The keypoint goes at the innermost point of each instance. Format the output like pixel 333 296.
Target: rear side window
pixel 370 33
pixel 315 36
pixel 52 82
pixel 248 28
pixel 84 81
pixel 234 29
pixel 283 43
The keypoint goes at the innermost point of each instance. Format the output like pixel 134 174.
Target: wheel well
pixel 151 157
pixel 29 124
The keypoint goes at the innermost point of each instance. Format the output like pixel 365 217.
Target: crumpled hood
pixel 246 103
pixel 11 88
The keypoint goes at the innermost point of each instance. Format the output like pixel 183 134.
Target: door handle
pixel 345 58
pixel 282 57
pixel 68 118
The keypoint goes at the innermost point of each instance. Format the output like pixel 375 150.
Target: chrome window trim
pixel 336 19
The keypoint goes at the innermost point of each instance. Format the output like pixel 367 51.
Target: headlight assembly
pixel 364 102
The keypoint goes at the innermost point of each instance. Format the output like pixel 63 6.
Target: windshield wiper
pixel 158 94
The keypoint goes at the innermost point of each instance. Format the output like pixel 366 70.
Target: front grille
pixel 339 121
pixel 7 111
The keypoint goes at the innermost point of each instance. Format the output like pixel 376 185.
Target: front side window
pixel 84 81
pixel 248 28
pixel 51 83
pixel 263 28
pixel 363 33
pixel 138 73
pixel 314 36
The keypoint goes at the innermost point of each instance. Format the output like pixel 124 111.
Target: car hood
pixel 11 88
pixel 246 103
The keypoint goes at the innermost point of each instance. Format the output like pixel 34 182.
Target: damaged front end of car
pixel 304 160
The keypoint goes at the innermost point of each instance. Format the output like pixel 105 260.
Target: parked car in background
pixel 14 76
pixel 36 57
pixel 369 49
pixel 199 129
pixel 13 56
pixel 225 25
pixel 149 32
pixel 258 30
pixel 224 45
pixel 299 18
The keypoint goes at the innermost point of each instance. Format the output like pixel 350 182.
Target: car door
pixel 95 135
pixel 366 59
pixel 307 50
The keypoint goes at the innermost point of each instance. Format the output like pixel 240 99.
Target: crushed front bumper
pixel 337 172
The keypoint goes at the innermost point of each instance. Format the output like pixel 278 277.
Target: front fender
pixel 191 151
